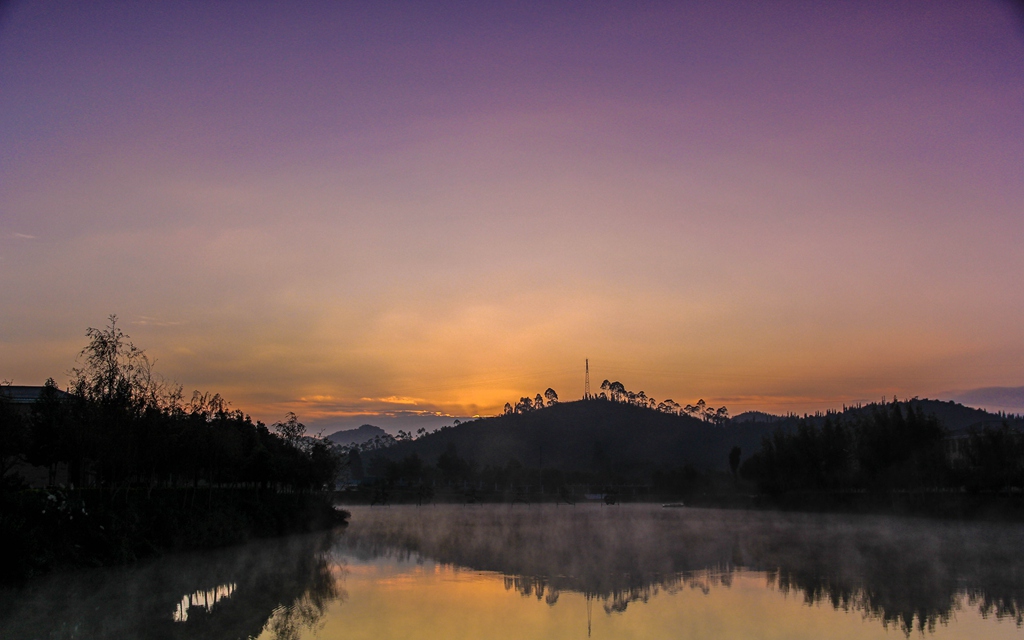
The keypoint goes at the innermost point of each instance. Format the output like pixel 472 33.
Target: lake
pixel 546 571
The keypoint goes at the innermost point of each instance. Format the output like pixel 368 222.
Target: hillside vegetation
pixel 595 436
pixel 937 457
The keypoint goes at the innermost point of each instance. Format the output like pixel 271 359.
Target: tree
pixel 734 459
pixel 452 467
pixel 698 410
pixel 291 430
pixel 617 391
pixel 324 465
pixel 114 370
pixel 668 406
pixel 13 438
pixel 355 464
pixel 53 436
pixel 551 396
pixel 508 409
pixel 538 402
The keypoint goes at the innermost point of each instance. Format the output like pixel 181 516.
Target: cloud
pixel 327 413
pixel 992 398
pixel 22 236
pixel 391 422
pixel 329 407
pixel 150 321
pixel 395 400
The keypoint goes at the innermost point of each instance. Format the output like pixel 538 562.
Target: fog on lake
pixel 497 571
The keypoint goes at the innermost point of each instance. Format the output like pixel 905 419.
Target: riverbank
pixel 948 505
pixel 952 505
pixel 51 529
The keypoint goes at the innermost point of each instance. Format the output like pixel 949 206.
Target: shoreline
pixel 56 529
pixel 939 505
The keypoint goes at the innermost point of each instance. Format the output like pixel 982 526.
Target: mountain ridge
pixel 595 435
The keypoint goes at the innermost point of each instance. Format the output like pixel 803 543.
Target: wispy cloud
pixel 155 322
pixel 395 400
pixel 327 407
pixel 22 236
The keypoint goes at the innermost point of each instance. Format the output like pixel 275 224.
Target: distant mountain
pixel 360 435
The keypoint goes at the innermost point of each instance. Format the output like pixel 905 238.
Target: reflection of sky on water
pixel 405 599
pixel 908 575
pixel 545 572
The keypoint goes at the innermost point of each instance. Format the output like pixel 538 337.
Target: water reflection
pixel 451 571
pixel 278 588
pixel 908 574
pixel 204 599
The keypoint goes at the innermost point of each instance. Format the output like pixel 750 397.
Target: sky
pixel 401 213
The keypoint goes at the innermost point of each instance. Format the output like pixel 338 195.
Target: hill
pixel 598 436
pixel 362 434
pixel 589 436
pixel 755 416
pixel 955 418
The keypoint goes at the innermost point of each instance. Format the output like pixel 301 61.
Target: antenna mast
pixel 586 385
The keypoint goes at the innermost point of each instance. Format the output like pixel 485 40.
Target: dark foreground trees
pixel 146 470
pixel 123 427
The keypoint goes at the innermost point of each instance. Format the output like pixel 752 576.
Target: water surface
pixel 494 571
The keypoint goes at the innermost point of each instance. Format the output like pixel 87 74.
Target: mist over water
pixel 558 571
pixel 906 573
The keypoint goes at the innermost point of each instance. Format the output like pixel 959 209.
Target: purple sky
pixel 347 209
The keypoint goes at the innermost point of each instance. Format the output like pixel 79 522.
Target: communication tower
pixel 586 384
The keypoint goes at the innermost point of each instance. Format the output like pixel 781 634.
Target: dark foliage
pixel 122 428
pixel 146 472
pixel 884 448
pixel 617 439
pixel 280 586
pixel 53 528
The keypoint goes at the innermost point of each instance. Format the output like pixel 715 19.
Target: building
pixel 22 398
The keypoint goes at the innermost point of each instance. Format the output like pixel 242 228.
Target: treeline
pixel 617 392
pixel 453 477
pixel 526 404
pixel 891 447
pixel 456 478
pixel 146 471
pixel 120 426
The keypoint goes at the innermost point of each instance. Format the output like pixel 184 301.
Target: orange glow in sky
pixel 412 213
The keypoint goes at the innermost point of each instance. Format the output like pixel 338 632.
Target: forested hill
pixel 954 418
pixel 589 435
pixel 603 436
